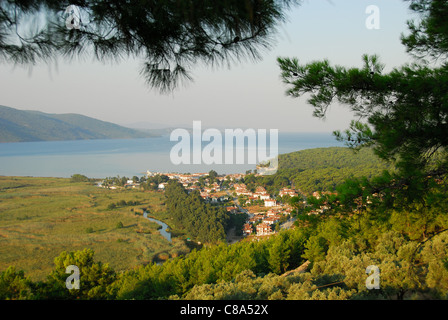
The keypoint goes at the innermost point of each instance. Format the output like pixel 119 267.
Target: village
pixel 263 212
pixel 266 213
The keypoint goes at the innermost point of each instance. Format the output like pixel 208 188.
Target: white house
pixel 162 186
pixel 264 229
pixel 271 220
pixel 264 196
pixel 270 203
pixel 286 191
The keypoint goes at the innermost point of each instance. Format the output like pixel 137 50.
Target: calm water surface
pixel 163 231
pixel 107 158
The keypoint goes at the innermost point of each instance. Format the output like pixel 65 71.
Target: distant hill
pixel 21 126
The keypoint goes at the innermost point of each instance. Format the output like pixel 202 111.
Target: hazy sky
pixel 248 95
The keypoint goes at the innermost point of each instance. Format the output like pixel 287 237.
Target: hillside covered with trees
pixel 22 126
pixel 322 169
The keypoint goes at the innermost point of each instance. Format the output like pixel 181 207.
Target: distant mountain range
pixel 21 126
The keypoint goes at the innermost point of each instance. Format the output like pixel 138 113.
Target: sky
pixel 246 95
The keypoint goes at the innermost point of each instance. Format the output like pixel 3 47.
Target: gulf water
pixel 125 157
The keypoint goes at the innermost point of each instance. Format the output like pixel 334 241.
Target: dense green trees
pixel 175 277
pixel 79 178
pixel 96 280
pixel 14 285
pixel 122 203
pixel 320 169
pixel 95 277
pixel 342 274
pixel 211 265
pixel 200 220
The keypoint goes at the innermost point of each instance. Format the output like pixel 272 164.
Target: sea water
pixel 124 157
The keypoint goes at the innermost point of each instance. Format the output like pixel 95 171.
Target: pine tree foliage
pixel 201 221
pixel 402 114
pixel 170 36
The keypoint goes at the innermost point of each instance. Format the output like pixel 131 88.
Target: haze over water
pixel 133 157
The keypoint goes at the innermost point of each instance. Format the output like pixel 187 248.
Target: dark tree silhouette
pixel 171 36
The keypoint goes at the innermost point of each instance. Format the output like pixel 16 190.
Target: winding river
pixel 163 231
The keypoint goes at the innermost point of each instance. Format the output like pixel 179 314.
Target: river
pixel 163 231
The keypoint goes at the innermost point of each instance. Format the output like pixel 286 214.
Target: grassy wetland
pixel 41 217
